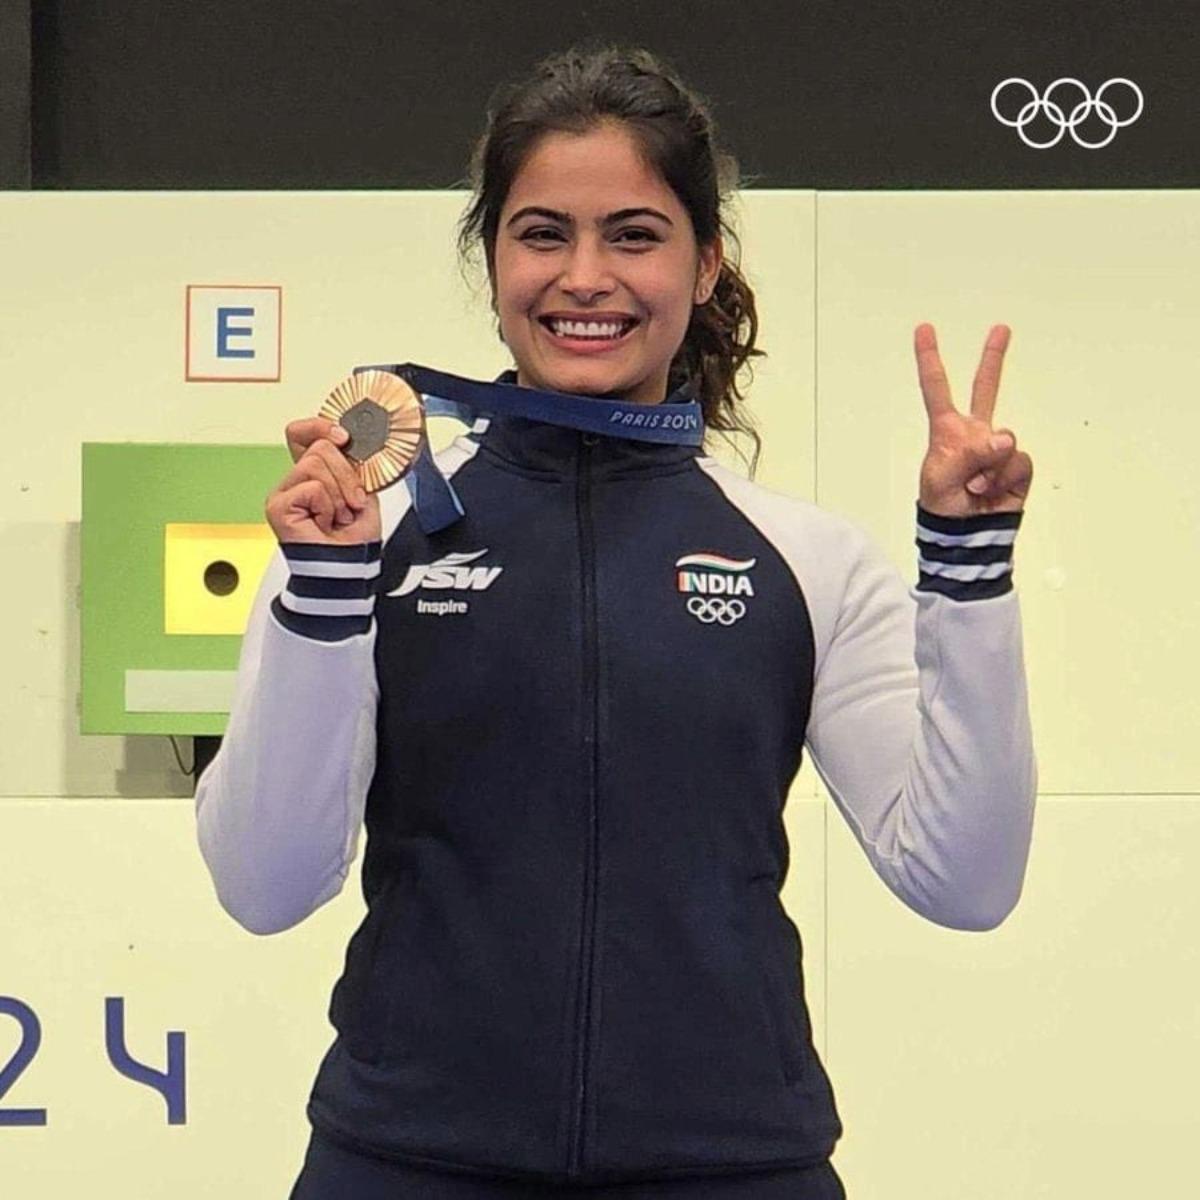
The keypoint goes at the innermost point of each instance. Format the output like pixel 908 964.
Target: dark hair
pixel 578 89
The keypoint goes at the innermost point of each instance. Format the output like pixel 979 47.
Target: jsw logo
pixel 449 572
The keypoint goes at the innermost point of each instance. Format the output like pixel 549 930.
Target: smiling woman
pixel 576 975
pixel 599 205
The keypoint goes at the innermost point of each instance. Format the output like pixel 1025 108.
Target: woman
pixel 571 718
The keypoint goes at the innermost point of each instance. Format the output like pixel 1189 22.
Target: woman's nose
pixel 586 272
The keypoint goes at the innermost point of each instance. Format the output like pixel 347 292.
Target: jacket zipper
pixel 583 512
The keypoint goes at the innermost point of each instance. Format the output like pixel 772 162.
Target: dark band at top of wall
pixel 818 94
pixel 16 167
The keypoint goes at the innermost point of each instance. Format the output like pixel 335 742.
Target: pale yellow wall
pixel 1053 1056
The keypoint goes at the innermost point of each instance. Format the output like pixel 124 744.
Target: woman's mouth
pixel 587 335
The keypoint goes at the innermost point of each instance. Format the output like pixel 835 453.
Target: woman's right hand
pixel 321 499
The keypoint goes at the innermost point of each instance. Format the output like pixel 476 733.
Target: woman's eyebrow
pixel 624 214
pixel 532 210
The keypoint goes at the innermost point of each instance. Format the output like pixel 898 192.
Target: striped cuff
pixel 966 558
pixel 330 594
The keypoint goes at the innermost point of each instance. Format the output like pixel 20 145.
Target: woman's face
pixel 596 269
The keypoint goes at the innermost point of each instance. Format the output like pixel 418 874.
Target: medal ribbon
pixel 677 421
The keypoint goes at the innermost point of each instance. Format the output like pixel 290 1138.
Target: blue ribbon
pixel 679 421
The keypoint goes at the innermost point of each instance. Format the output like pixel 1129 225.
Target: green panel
pixel 130 492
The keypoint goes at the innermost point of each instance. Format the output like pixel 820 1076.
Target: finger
pixel 986 449
pixel 344 471
pixel 302 433
pixel 987 454
pixel 935 387
pixel 1001 443
pixel 326 462
pixel 987 377
pixel 311 499
pixel 1014 478
pixel 313 467
pixel 290 510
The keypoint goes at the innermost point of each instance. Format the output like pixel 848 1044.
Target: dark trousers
pixel 331 1172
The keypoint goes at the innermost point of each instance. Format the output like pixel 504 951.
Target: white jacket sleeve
pixel 280 807
pixel 920 726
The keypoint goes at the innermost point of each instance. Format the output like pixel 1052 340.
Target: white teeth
pixel 606 329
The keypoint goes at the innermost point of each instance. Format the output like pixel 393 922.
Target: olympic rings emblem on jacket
pixel 1078 114
pixel 708 609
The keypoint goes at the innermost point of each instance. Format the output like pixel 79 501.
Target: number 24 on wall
pixel 170 1084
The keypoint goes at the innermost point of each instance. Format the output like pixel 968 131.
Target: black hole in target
pixel 220 577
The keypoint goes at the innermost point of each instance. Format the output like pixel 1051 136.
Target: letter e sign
pixel 233 333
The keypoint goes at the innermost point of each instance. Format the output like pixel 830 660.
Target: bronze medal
pixel 386 422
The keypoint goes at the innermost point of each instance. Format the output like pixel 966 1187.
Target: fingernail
pixel 978 484
pixel 1000 441
pixel 338 434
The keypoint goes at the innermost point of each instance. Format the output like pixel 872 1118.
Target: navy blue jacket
pixel 570 722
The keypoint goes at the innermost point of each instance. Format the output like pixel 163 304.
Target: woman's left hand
pixel 970 468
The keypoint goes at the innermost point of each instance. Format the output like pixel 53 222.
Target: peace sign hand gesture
pixel 970 468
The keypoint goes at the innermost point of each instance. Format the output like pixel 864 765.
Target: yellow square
pixel 211 574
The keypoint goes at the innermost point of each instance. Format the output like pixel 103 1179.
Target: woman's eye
pixel 639 235
pixel 545 234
